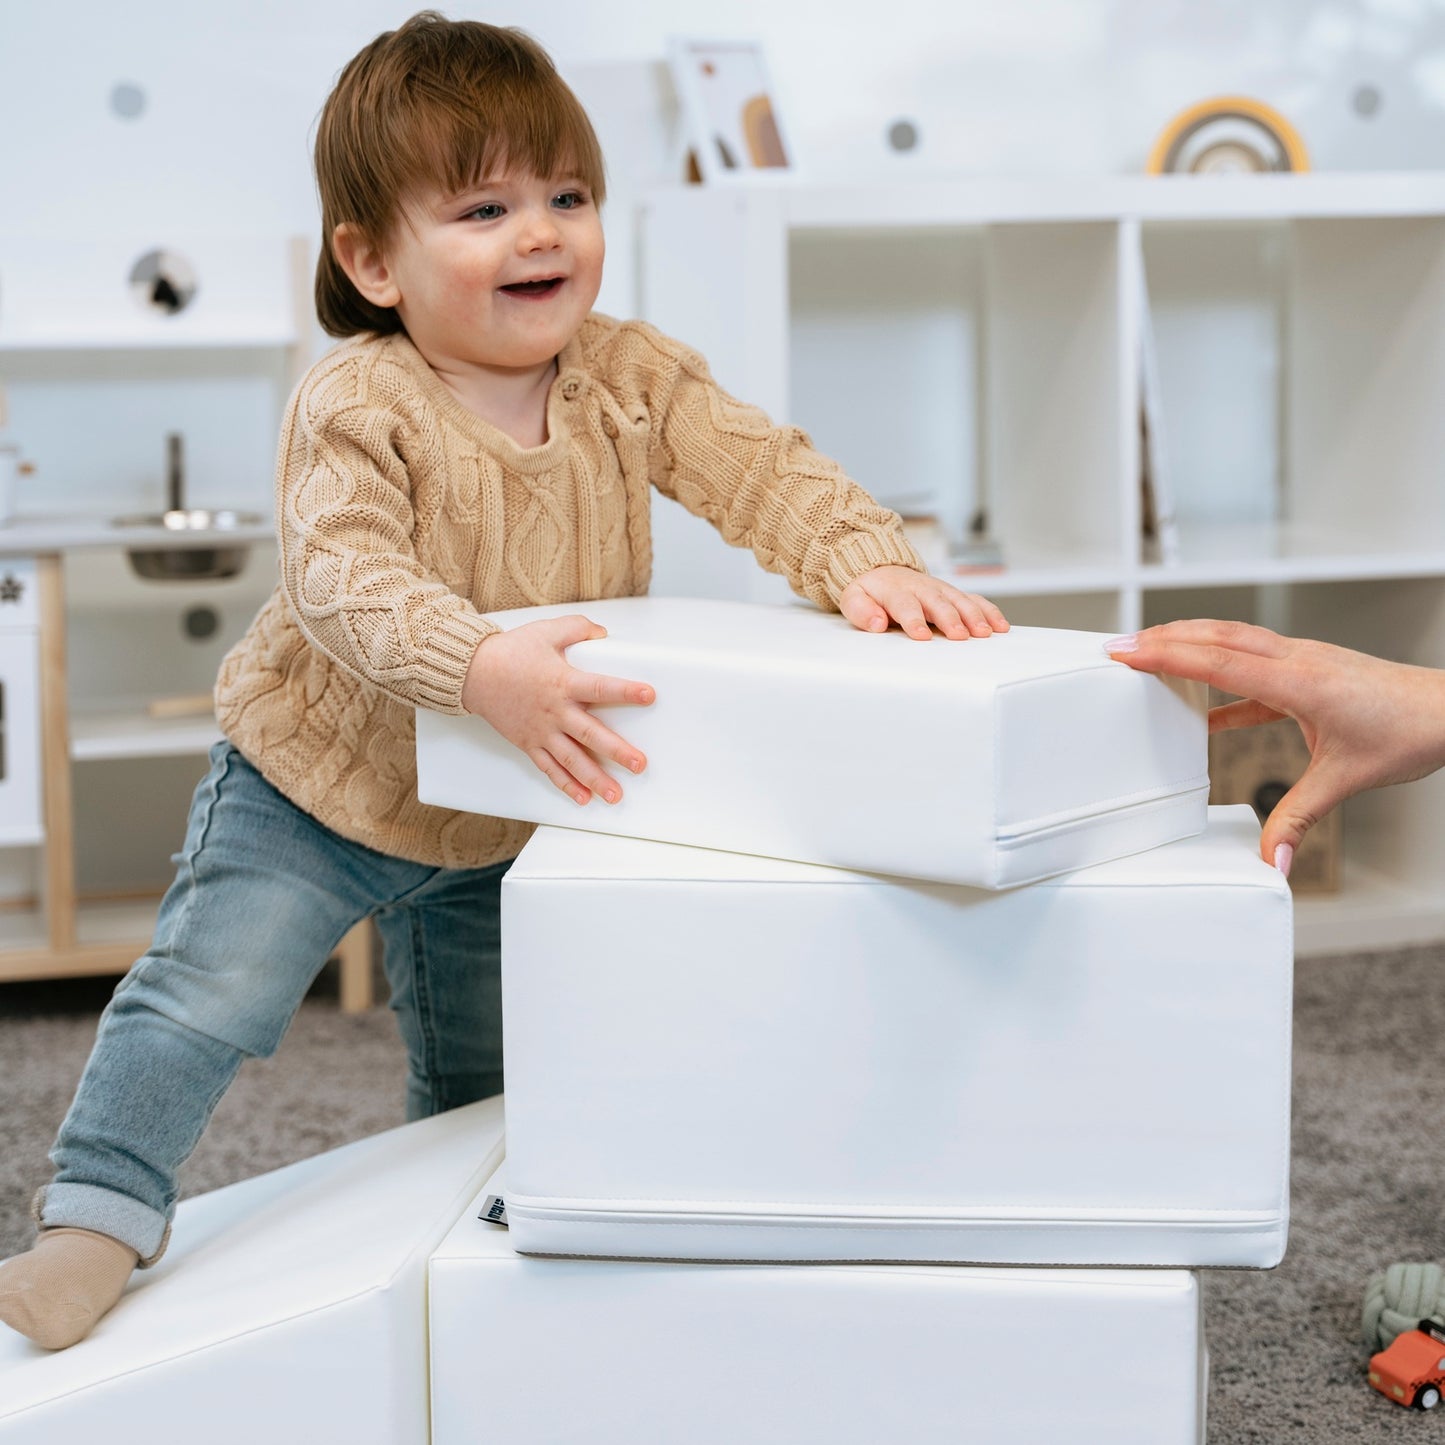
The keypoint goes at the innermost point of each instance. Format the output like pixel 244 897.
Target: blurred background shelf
pixel 133 733
pixel 973 347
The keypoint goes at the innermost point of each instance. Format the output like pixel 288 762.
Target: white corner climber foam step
pixel 786 732
pixel 289 1309
pixel 626 1352
pixel 722 1057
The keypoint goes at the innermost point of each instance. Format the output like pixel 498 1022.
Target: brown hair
pixel 436 103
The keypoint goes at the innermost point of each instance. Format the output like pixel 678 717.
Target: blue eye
pixel 569 200
pixel 487 211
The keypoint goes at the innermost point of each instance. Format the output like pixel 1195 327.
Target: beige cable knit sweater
pixel 402 517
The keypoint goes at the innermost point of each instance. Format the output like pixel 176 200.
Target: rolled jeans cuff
pixel 87 1206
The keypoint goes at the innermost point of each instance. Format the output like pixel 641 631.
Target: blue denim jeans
pixel 262 895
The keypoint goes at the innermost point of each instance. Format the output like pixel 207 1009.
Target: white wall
pixel 1027 85
pixel 1004 86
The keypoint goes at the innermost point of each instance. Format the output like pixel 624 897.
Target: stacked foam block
pixel 884 1066
pixel 907 1004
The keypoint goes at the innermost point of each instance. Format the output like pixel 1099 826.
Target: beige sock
pixel 55 1293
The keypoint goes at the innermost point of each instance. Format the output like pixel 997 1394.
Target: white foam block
pixel 712 1056
pixel 616 1352
pixel 784 731
pixel 290 1307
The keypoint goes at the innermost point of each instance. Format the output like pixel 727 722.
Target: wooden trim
pixel 354 955
pixel 59 880
pixel 77 961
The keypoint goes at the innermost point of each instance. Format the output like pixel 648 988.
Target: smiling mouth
pixel 548 287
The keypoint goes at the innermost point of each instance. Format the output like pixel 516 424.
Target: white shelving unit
pixel 967 343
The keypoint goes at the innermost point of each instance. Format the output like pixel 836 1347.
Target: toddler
pixel 481 440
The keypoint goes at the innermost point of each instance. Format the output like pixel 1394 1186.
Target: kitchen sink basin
pixel 183 560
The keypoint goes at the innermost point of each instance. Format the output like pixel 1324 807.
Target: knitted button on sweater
pixel 402 517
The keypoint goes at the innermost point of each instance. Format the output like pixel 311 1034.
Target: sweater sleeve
pixel 345 525
pixel 763 486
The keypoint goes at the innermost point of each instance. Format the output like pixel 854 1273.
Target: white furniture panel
pixel 21 821
pixel 1056 357
pixel 553 1352
pixel 1366 370
pixel 713 1056
pixel 786 731
pixel 290 1308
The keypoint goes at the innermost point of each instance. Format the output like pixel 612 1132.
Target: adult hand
pixel 915 599
pixel 522 684
pixel 1367 722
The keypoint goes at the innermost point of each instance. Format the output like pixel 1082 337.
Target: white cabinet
pixel 968 344
pixel 20 819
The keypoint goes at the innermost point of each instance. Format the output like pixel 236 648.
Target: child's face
pixel 457 263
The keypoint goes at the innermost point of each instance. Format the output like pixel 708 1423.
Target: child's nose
pixel 541 232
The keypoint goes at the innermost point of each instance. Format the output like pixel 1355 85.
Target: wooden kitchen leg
pixel 55 757
pixel 354 955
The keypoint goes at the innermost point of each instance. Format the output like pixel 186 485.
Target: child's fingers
pixel 601 741
pixel 992 611
pixel 862 610
pixel 593 689
pixel 907 611
pixel 562 632
pixel 553 770
pixel 973 612
pixel 587 771
pixel 949 619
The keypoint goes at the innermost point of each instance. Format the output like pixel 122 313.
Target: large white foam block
pixel 784 731
pixel 719 1057
pixel 617 1352
pixel 289 1309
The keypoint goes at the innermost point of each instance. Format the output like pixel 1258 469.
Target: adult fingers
pixel 1318 792
pixel 1253 675
pixel 1215 632
pixel 1246 713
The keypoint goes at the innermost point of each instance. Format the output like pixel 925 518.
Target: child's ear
pixel 365 265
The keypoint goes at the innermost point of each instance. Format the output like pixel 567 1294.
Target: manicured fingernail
pixel 1123 644
pixel 580 799
pixel 612 795
pixel 1283 858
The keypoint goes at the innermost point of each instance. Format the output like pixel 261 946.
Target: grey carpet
pixel 1286 1364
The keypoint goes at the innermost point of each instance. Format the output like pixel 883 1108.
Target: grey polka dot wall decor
pixel 127 100
pixel 903 135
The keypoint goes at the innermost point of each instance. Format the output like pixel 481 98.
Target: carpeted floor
pixel 1287 1367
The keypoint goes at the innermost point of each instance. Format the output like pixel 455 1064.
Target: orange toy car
pixel 1410 1371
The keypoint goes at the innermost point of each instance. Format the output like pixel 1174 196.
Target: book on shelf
pixel 1159 527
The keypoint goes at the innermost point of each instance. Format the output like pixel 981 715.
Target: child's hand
pixel 521 683
pixel 913 600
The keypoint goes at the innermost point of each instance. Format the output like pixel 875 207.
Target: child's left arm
pixel 764 487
